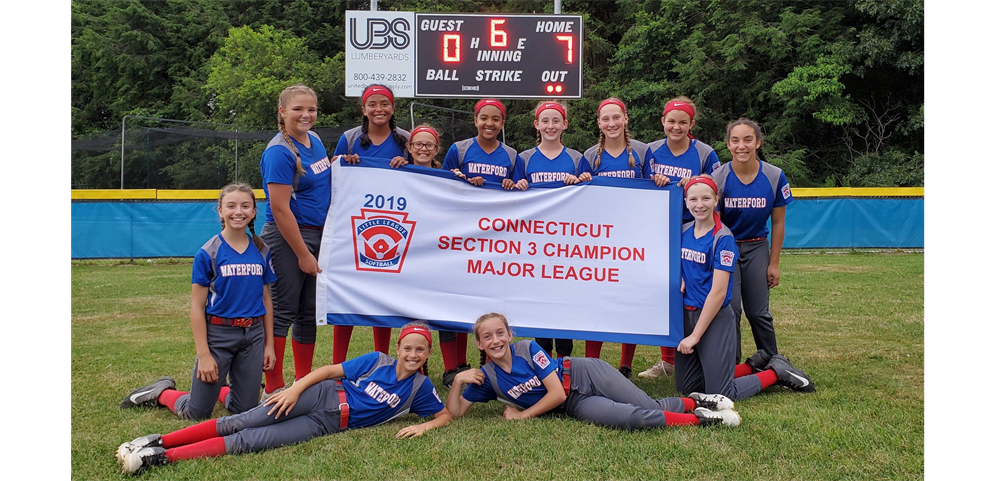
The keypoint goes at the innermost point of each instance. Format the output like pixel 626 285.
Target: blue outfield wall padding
pixel 145 229
pixel 129 229
pixel 855 223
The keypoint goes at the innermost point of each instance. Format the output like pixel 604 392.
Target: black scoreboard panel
pixel 506 56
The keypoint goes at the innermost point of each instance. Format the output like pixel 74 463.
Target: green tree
pixel 248 72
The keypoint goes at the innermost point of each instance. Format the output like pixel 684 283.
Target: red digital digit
pixel 569 39
pixel 499 38
pixel 455 38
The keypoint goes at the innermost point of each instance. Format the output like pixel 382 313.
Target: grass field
pixel 853 322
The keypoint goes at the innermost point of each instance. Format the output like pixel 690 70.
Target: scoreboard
pixel 522 56
pixel 465 55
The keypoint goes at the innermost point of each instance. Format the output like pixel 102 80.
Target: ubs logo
pixel 381 33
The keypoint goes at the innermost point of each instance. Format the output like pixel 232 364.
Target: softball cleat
pixel 714 402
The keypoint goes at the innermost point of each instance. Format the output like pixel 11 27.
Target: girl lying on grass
pixel 366 391
pixel 522 375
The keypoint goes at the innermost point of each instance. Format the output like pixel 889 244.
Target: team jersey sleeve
pixel 342 147
pixel 202 268
pixel 541 362
pixel 711 162
pixel 518 170
pixel 278 166
pixel 480 394
pixel 452 158
pixel 584 166
pixel 726 254
pixel 783 195
pixel 357 367
pixel 427 401
pixel 646 171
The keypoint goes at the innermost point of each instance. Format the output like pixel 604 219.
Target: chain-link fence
pixel 175 154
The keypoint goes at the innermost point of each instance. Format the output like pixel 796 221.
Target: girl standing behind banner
pixel 484 157
pixel 678 156
pixel 424 147
pixel 616 155
pixel 550 161
pixel 380 137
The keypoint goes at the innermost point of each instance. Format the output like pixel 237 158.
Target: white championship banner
pixel 597 261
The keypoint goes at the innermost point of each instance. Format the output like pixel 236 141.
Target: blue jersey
pixel 235 281
pixel 609 166
pixel 700 257
pixel 699 158
pixel 376 396
pixel 745 208
pixel 467 156
pixel 538 168
pixel 312 190
pixel 523 386
pixel 349 144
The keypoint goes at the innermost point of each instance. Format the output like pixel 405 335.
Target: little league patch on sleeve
pixel 726 258
pixel 786 191
pixel 540 359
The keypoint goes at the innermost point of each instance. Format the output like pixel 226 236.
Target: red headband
pixel 709 182
pixel 551 105
pixel 377 90
pixel 611 102
pixel 678 105
pixel 698 179
pixel 425 129
pixel 486 102
pixel 416 330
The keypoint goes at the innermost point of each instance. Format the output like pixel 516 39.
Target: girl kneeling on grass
pixel 705 358
pixel 231 316
pixel 522 375
pixel 366 391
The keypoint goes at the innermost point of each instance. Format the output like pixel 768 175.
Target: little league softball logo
pixel 726 258
pixel 380 239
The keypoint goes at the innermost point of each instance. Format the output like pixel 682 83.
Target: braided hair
pixel 628 149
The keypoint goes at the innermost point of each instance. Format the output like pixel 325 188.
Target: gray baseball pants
pixel 603 396
pixel 751 294
pixel 238 351
pixel 294 291
pixel 709 369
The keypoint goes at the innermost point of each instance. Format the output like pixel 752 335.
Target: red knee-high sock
pixel 303 357
pixel 449 354
pixel 274 377
pixel 168 398
pixel 689 405
pixel 223 394
pixel 592 348
pixel 340 343
pixel 667 354
pixel 678 419
pixel 204 449
pixel 381 339
pixel 460 348
pixel 193 434
pixel 767 378
pixel 628 352
pixel 741 370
